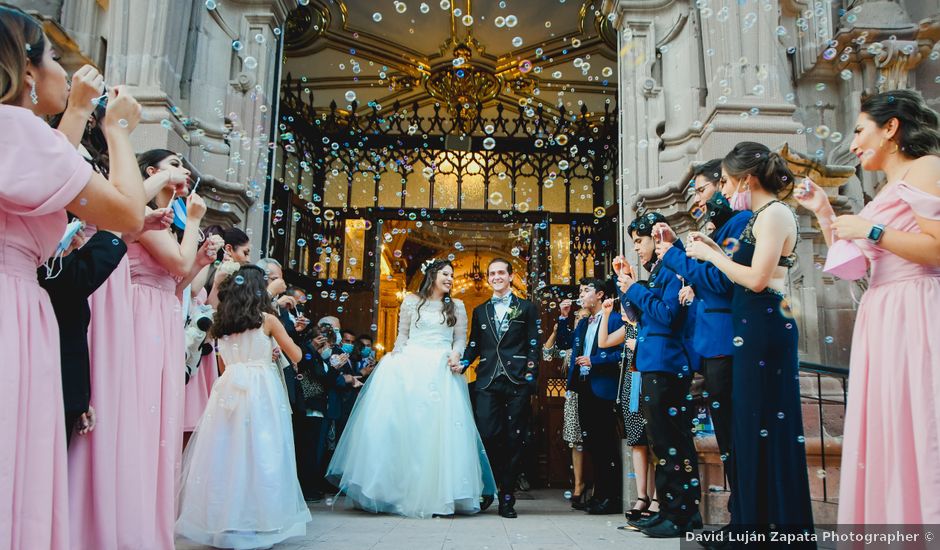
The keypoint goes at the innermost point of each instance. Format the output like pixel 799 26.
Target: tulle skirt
pixel 411 446
pixel 240 487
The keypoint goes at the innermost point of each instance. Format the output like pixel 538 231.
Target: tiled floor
pixel 545 522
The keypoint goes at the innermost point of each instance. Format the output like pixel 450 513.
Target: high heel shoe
pixel 636 513
pixel 579 502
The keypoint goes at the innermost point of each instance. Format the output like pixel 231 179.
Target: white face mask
pixel 71 230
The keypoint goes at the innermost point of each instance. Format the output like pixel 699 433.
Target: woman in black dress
pixel 769 454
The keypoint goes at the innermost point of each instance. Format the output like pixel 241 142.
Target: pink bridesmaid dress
pixel 891 448
pixel 200 385
pixel 40 173
pixel 160 359
pixel 104 481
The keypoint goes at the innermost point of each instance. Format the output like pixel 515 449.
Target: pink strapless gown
pixel 200 385
pixel 40 173
pixel 159 342
pixel 104 481
pixel 891 448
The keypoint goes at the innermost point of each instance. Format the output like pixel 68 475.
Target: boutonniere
pixel 514 312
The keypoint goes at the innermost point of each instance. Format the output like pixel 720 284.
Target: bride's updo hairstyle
pixel 21 40
pixel 448 312
pixel 917 134
pixel 756 159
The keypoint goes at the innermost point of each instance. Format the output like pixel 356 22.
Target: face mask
pixel 347 348
pixel 326 352
pixel 179 213
pixel 71 230
pixel 339 337
pixel 741 200
pixel 366 352
pixel 719 210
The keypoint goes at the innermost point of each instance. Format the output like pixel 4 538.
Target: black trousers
pixel 598 418
pixel 502 415
pixel 307 453
pixel 669 429
pixel 718 385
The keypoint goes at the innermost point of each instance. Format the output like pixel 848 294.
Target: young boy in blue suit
pixel 595 374
pixel 666 380
pixel 713 336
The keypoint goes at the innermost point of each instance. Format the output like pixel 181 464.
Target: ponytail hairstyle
pixel 749 158
pixel 21 40
pixel 243 299
pixel 917 134
pixel 448 312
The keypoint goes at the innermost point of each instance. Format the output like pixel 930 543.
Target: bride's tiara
pixel 426 265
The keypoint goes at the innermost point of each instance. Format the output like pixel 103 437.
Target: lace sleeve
pixel 405 317
pixel 460 329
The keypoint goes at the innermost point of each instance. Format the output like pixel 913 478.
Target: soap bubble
pixel 250 63
pixel 350 96
pixel 377 17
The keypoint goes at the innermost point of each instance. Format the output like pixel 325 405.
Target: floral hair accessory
pixel 426 265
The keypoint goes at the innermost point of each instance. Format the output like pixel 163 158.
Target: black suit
pixel 506 376
pixel 83 271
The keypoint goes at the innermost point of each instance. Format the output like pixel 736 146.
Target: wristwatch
pixel 877 231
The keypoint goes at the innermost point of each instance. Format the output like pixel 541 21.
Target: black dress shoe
pixel 507 506
pixel 485 502
pixel 646 522
pixel 668 529
pixel 665 529
pixel 605 506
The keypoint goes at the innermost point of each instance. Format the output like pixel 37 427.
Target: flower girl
pixel 239 485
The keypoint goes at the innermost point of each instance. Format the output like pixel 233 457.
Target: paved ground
pixel 545 522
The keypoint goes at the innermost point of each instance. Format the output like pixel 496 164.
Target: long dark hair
pixel 21 39
pixel 448 312
pixel 756 159
pixel 917 134
pixel 243 298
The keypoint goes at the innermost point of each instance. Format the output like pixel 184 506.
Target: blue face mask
pixel 347 348
pixel 326 352
pixel 366 352
pixel 179 213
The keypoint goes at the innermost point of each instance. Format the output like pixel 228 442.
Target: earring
pixel 32 95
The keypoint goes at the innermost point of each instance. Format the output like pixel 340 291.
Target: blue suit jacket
pixel 605 362
pixel 713 290
pixel 659 339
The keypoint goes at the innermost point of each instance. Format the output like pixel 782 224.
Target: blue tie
pixel 501 300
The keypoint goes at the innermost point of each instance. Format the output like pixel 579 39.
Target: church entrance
pixel 439 147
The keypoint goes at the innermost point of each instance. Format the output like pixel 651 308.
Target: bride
pixel 411 446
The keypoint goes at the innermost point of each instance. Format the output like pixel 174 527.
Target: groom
pixel 504 335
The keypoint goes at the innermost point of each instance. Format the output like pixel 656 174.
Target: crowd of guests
pixel 716 306
pixel 118 320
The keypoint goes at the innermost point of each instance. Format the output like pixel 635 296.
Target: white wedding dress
pixel 411 446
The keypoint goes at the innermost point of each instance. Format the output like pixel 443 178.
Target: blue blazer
pixel 659 338
pixel 713 290
pixel 604 377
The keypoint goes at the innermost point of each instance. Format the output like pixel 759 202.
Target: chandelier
pixel 462 85
pixel 475 276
